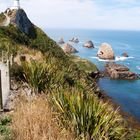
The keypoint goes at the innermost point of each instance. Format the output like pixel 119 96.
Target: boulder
pixel 117 71
pixel 89 44
pixel 106 52
pixel 61 41
pixel 74 40
pixel 67 48
pixel 125 54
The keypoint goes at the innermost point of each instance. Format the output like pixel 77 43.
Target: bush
pixel 88 117
pixel 5 131
pixel 36 75
pixel 16 71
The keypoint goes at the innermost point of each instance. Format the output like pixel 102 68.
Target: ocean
pixel 124 92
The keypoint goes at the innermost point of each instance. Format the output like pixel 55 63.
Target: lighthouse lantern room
pixel 16 4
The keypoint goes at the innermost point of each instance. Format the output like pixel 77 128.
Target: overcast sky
pixel 97 14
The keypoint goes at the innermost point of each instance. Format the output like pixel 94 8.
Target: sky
pixel 86 14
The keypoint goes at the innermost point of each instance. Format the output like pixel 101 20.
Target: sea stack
pixel 61 41
pixel 89 44
pixel 125 54
pixel 74 40
pixel 106 52
pixel 67 48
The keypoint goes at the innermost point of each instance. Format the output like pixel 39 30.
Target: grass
pixel 5 130
pixel 88 117
pixel 84 64
pixel 75 105
pixel 36 75
pixel 38 121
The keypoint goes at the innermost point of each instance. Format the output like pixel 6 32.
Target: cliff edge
pixel 18 18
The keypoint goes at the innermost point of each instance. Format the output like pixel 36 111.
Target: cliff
pixel 41 67
pixel 17 18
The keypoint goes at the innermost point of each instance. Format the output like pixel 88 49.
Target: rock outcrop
pixel 19 19
pixel 67 48
pixel 117 71
pixel 3 19
pixel 74 40
pixel 61 41
pixel 125 54
pixel 89 44
pixel 106 52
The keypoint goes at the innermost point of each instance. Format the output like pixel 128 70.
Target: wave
pixel 122 58
pixel 138 67
pixel 117 58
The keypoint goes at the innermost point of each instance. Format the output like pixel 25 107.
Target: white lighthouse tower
pixel 16 5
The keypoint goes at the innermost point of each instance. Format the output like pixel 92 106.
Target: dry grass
pixel 36 121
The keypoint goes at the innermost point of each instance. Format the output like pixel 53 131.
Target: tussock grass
pixel 36 121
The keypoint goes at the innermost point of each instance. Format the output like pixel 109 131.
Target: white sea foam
pixel 117 58
pixel 138 67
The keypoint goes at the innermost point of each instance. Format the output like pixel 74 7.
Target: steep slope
pixel 21 32
pixel 47 69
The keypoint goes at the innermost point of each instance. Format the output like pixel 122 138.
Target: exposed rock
pixel 3 20
pixel 125 54
pixel 19 19
pixel 94 75
pixel 61 41
pixel 117 71
pixel 106 52
pixel 74 40
pixel 89 44
pixel 67 48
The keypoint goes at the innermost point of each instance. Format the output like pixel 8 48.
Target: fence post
pixel 8 67
pixel 2 57
pixel 11 60
pixel 1 100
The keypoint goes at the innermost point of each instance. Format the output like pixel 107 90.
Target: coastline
pixel 96 74
pixel 132 120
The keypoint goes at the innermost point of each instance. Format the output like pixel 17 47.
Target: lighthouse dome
pixel 16 4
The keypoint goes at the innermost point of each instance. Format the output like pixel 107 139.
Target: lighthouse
pixel 16 4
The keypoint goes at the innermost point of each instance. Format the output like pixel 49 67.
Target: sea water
pixel 126 93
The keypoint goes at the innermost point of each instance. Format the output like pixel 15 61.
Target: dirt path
pixel 7 21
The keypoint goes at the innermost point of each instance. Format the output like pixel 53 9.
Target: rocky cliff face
pixel 19 19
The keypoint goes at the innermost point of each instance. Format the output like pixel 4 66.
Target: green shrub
pixel 16 71
pixel 36 75
pixel 88 117
pixel 6 120
pixel 5 131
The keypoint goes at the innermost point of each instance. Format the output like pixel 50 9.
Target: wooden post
pixel 8 67
pixel 1 100
pixel 2 57
pixel 11 60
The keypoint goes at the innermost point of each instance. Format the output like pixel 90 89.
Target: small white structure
pixel 16 5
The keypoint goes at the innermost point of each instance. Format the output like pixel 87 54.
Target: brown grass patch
pixel 36 121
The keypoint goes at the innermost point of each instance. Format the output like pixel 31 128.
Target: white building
pixel 16 4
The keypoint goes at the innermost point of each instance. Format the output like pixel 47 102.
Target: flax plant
pixel 88 117
pixel 36 75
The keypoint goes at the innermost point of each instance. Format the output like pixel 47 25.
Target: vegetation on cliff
pixel 71 98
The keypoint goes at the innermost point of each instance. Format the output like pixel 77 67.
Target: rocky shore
pixel 117 71
pixel 103 96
